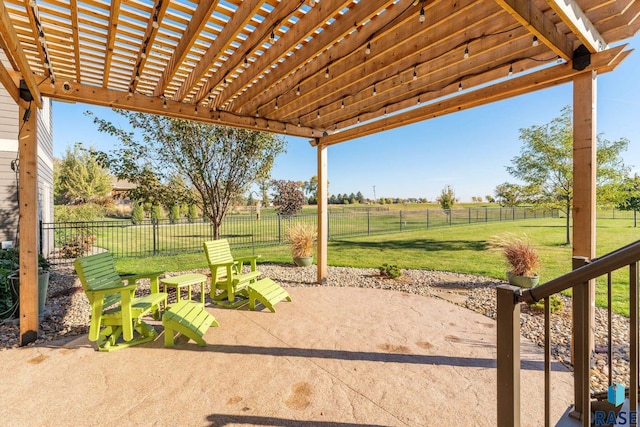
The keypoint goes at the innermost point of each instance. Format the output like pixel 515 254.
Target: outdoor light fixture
pixel 510 69
pixel 375 92
pixel 466 52
pixel 419 100
pixel 535 41
pixel 154 24
pixel 272 38
pixel 246 63
pixel 276 103
pixel 415 74
pixel 326 73
pixel 422 18
pixel 342 103
pixel 459 86
pixel 368 49
pixel 298 91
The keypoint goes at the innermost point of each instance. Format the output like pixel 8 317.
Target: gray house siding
pixel 9 128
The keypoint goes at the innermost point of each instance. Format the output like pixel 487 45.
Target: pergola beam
pixel 196 24
pixel 111 39
pixel 552 76
pixel 150 34
pixel 526 13
pixel 8 32
pixel 572 15
pixel 95 95
pixel 245 12
pixel 9 85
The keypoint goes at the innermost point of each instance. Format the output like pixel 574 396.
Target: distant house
pixel 9 131
pixel 121 200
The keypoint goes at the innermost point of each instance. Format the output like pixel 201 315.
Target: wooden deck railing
pixel 581 279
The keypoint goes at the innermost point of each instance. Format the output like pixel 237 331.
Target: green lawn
pixel 461 249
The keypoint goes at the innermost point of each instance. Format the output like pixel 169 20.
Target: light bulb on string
pixel 326 73
pixel 368 48
pixel 466 52
pixel 459 86
pixel 375 92
pixel 422 17
pixel 415 74
pixel 342 104
pixel 510 69
pixel 535 41
pixel 298 91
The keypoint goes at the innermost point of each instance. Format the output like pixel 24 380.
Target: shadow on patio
pixel 334 356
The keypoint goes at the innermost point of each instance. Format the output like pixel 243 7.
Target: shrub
pixel 192 214
pixel 174 214
pixel 391 271
pixel 288 199
pixel 156 213
pixel 137 214
pixel 78 213
pixel 554 302
pixel 77 246
pixel 301 237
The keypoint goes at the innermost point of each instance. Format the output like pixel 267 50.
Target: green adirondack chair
pixel 115 310
pixel 226 274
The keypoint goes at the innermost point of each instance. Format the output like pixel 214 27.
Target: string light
pixel 559 59
pixel 510 69
pixel 298 122
pixel 368 49
pixel 154 24
pixel 272 38
pixel 375 92
pixel 342 103
pixel 358 121
pixel 535 41
pixel 460 86
pixel 326 73
pixel 143 54
pixel 415 74
pixel 276 103
pixel 419 100
pixel 466 52
pixel 246 63
pixel 422 18
pixel 298 91
pixel 257 114
pixel 196 110
pixel 318 115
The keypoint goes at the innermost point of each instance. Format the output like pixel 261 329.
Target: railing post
pixel 581 347
pixel 508 346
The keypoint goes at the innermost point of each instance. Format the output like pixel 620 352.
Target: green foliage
pixel 555 304
pixel 192 214
pixel 288 198
pixel 78 213
pixel 156 213
pixel 174 214
pixel 79 178
pixel 391 271
pixel 137 214
pixel 545 165
pixel 447 198
pixel 631 191
pixel 509 195
pixel 218 162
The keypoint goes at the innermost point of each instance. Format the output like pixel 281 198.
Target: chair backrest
pixel 218 252
pixel 97 272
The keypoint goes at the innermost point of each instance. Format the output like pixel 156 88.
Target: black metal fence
pixel 66 241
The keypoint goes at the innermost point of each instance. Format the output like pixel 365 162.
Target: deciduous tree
pixel 288 198
pixel 447 198
pixel 219 162
pixel 79 178
pixel 545 165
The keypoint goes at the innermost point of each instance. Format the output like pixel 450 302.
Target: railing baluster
pixel 633 339
pixel 547 362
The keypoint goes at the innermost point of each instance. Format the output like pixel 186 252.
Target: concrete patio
pixel 333 356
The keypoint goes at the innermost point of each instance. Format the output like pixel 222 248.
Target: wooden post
pixel 584 222
pixel 323 218
pixel 508 356
pixel 28 224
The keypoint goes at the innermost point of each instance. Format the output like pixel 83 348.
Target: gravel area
pixel 67 312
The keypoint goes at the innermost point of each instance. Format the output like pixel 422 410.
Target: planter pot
pixel 303 262
pixel 43 285
pixel 522 281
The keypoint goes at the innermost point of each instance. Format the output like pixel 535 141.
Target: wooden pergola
pixel 326 70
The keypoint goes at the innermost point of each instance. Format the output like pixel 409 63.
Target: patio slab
pixel 333 356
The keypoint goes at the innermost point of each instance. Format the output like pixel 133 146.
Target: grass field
pixel 461 249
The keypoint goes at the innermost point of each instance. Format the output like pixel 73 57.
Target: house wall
pixel 9 129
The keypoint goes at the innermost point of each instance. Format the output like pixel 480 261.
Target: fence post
pixel 368 222
pixel 500 213
pixel 635 217
pixel 400 220
pixel 155 236
pixel 469 215
pixel 486 214
pixel 508 357
pixel 279 231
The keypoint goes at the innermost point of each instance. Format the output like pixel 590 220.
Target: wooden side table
pixel 185 280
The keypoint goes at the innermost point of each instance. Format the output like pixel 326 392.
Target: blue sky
pixel 468 150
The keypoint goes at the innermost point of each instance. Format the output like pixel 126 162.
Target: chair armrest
pixel 221 264
pixel 111 290
pixel 250 259
pixel 153 279
pixel 247 258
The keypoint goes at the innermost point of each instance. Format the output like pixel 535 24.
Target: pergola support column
pixel 323 217
pixel 584 227
pixel 28 222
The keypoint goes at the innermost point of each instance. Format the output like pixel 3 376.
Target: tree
pixel 508 195
pixel 545 165
pixel 264 183
pixel 288 198
pixel 79 178
pixel 631 200
pixel 489 198
pixel 219 162
pixel 447 198
pixel 137 214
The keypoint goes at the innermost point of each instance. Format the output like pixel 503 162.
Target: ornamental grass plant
pixel 522 258
pixel 301 237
